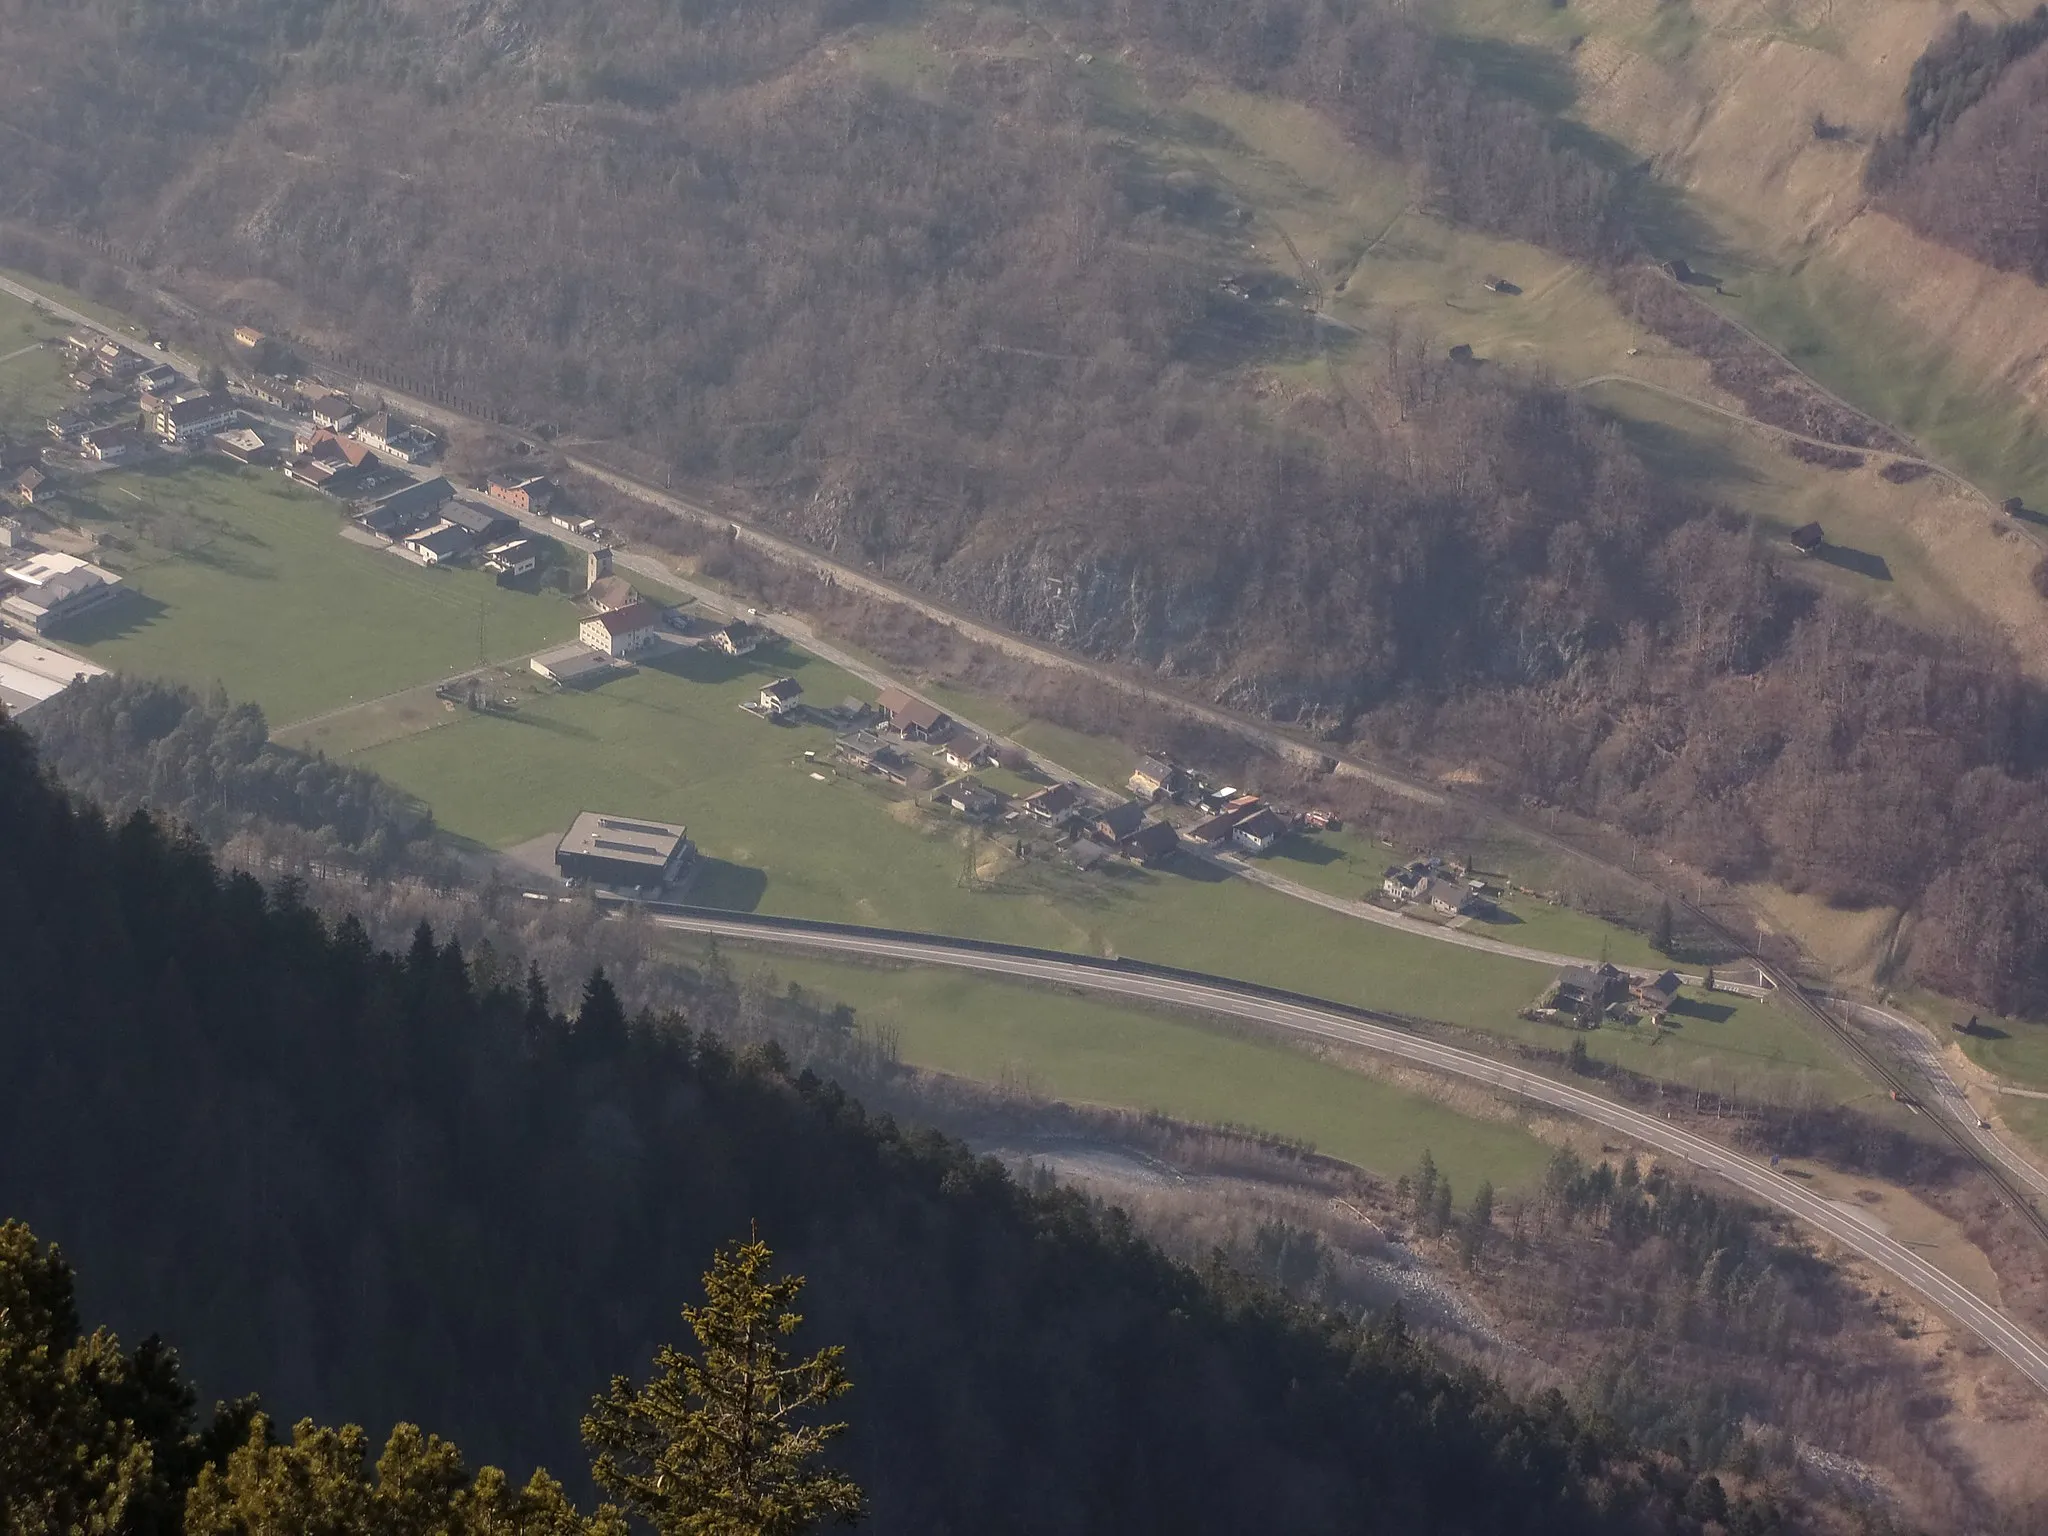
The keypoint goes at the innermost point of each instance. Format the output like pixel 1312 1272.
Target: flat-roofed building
pixel 614 850
pixel 55 587
pixel 30 674
pixel 574 665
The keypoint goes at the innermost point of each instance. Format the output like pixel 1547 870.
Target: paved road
pixel 191 368
pixel 2017 1346
pixel 1911 1041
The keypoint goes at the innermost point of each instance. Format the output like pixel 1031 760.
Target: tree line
pixel 209 763
pixel 377 1190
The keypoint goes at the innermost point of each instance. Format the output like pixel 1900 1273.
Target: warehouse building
pixel 610 850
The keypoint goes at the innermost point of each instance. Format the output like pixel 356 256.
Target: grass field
pixel 32 383
pixel 2028 1120
pixel 1088 1052
pixel 241 578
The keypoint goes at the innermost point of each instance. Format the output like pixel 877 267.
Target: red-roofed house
pixel 621 631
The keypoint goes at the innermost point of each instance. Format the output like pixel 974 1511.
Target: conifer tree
pixel 1664 934
pixel 717 1444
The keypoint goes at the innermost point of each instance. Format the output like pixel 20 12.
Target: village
pixel 518 526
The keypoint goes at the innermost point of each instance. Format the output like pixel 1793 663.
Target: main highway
pixel 1219 996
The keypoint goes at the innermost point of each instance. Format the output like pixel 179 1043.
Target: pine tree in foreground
pixel 717 1444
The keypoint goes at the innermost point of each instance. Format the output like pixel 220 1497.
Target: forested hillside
pixel 371 1187
pixel 1963 167
pixel 910 279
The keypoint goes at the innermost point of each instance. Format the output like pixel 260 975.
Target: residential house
pixel 912 718
pixel 193 419
pixel 158 379
pixel 527 493
pixel 113 445
pixel 1153 843
pixel 1055 803
pixel 336 413
pixel 622 631
pixel 780 696
pixel 440 544
pixel 396 438
pixel 967 750
pixel 574 665
pixel 111 360
pixel 1118 822
pixel 737 638
pixel 29 485
pixel 512 559
pixel 53 588
pixel 1585 988
pixel 1159 778
pixel 867 751
pixel 1656 996
pixel 1257 832
pixel 977 802
pixel 332 464
pixel 1213 831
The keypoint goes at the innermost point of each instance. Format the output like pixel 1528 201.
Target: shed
pixel 1807 538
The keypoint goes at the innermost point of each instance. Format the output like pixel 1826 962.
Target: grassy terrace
pixel 1087 1052
pixel 241 578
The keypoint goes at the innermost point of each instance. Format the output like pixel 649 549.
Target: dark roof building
pixel 1657 996
pixel 1053 803
pixel 610 850
pixel 1584 985
pixel 421 500
pixel 1150 844
pixel 1808 538
pixel 441 543
pixel 912 718
pixel 486 525
pixel 1119 821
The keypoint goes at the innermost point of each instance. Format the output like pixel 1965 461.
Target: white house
pixel 337 413
pixel 621 631
pixel 780 696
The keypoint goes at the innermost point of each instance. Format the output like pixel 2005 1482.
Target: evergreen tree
pixel 1425 1185
pixel 1478 1224
pixel 1440 1213
pixel 1664 934
pixel 716 1445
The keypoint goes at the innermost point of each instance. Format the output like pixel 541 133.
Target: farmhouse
pixel 1580 988
pixel 1159 778
pixel 1446 895
pixel 396 438
pixel 530 493
pixel 56 588
pixel 610 850
pixel 621 631
pixel 336 413
pixel 30 674
pixel 574 665
pixel 737 638
pixel 780 696
pixel 1656 996
pixel 912 718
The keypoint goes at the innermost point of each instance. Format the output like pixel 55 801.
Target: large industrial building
pixel 31 674
pixel 610 850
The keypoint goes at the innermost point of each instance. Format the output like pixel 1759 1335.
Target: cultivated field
pixel 1086 1052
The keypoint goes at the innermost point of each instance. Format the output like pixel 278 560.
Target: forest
pixel 375 1188
pixel 126 743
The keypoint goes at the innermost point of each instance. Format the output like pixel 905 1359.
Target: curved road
pixel 2018 1347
